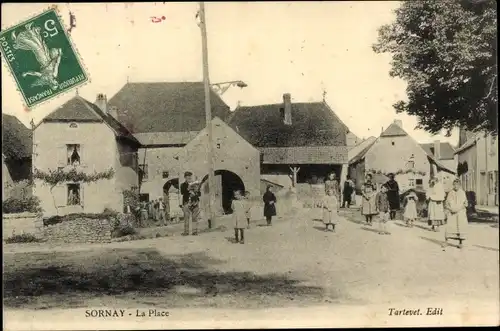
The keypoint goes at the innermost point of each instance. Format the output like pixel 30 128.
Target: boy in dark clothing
pixel 188 178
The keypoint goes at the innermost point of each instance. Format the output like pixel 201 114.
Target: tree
pixel 446 51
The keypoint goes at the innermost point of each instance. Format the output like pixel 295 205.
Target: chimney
pixel 287 116
pixel 102 102
pixel 399 123
pixel 113 111
pixel 437 149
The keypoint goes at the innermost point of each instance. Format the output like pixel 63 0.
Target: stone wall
pixel 81 230
pixel 19 223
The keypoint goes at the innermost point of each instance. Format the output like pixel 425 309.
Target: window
pixel 143 171
pixel 218 146
pixel 419 182
pixel 411 182
pixel 144 197
pixel 73 154
pixel 73 194
pixel 493 182
pixel 165 174
pixel 392 143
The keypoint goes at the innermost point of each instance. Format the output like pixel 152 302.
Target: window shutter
pixel 62 156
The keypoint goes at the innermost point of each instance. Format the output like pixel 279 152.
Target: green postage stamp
pixel 41 58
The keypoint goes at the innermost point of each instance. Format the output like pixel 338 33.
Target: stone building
pixel 394 151
pixel 168 119
pixel 308 137
pixel 17 147
pixel 83 137
pixel 477 156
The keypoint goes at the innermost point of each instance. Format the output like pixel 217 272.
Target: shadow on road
pixel 488 248
pixel 441 243
pixel 140 272
pixel 370 229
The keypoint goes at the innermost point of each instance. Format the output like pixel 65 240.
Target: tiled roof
pixel 304 155
pixel 77 109
pixel 165 107
pixel 313 124
pixel 447 152
pixel 165 138
pixel 394 130
pixel 17 142
pixel 357 152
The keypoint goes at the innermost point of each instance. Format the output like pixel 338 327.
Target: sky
pixel 300 48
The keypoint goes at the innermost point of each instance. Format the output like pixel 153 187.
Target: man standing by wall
pixel 188 178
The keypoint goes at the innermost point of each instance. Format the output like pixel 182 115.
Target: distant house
pixel 168 119
pixel 84 136
pixel 352 140
pixel 289 135
pixel 477 156
pixel 394 151
pixel 17 148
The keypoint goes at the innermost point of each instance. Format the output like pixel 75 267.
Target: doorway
pixel 228 183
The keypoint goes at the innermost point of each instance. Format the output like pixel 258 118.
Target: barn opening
pixel 229 182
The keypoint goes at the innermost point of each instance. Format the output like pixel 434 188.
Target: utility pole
pixel 208 115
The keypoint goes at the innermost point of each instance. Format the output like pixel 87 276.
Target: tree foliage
pixel 446 52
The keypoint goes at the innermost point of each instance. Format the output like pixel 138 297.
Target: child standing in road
pixel 410 213
pixel 239 216
pixel 383 209
pixel 369 202
pixel 248 205
pixel 330 206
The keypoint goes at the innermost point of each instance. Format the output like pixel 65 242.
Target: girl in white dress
pixel 330 206
pixel 410 213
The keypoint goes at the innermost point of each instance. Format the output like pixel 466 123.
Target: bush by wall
pixel 22 238
pixel 16 205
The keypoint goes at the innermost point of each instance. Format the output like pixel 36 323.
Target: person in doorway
pixel 269 205
pixel 393 196
pixel 238 205
pixel 410 214
pixel 347 192
pixel 331 183
pixel 456 205
pixel 383 209
pixel 330 206
pixel 188 179
pixel 369 204
pixel 435 207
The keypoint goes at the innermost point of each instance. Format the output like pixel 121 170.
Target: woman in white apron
pixel 456 206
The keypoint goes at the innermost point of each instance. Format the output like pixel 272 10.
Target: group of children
pixel 376 204
pixel 241 212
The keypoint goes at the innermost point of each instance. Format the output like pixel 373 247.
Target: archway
pixel 229 182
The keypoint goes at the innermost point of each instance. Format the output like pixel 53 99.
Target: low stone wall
pixel 81 230
pixel 22 223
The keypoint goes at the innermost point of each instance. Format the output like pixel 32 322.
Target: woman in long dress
pixel 435 194
pixel 456 205
pixel 393 196
pixel 369 203
pixel 269 205
pixel 333 184
pixel 330 206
